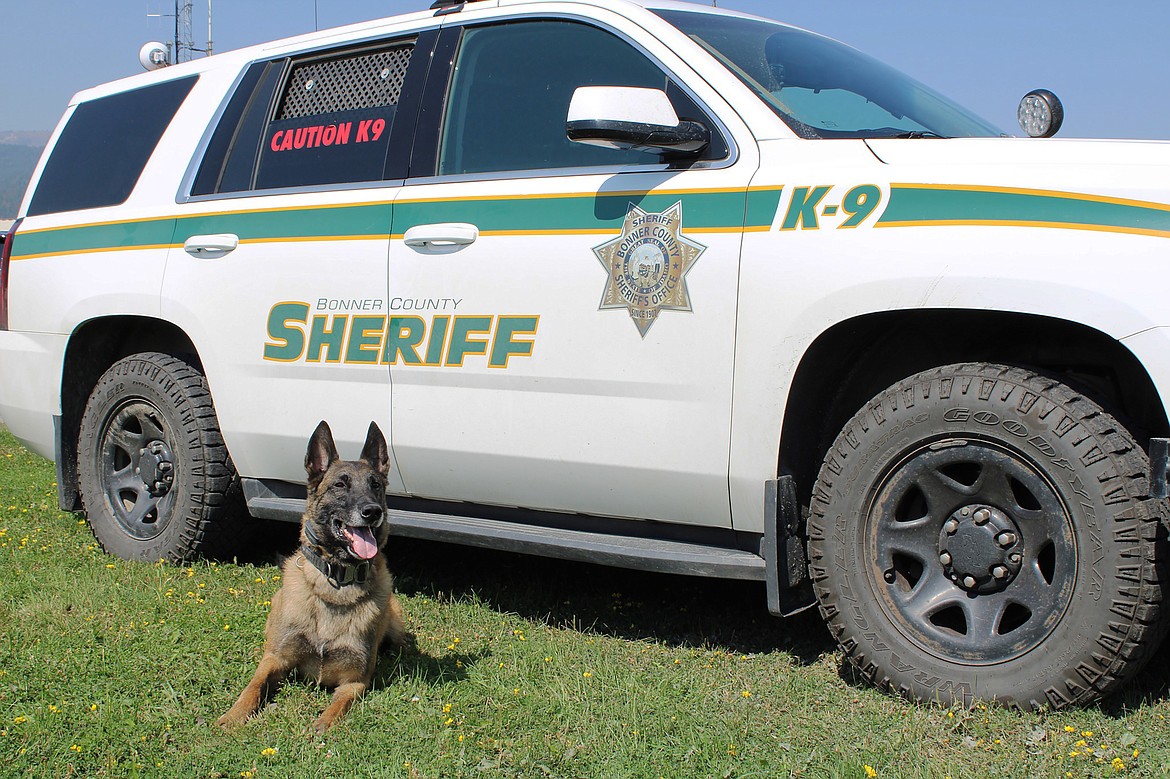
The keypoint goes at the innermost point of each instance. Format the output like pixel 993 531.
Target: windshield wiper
pixel 917 134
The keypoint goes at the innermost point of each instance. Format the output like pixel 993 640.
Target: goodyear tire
pixel 984 532
pixel 156 478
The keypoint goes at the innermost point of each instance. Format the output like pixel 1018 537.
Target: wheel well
pixel 94 347
pixel 854 360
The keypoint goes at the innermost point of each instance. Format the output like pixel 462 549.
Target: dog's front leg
pixel 343 699
pixel 269 674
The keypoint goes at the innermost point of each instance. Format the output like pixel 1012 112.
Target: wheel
pixel 155 475
pixel 983 532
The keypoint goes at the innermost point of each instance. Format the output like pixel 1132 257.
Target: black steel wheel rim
pixel 137 469
pixel 971 551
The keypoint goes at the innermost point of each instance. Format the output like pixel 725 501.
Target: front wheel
pixel 155 475
pixel 983 532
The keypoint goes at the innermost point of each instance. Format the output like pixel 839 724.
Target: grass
pixel 522 667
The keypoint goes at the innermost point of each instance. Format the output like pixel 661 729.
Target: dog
pixel 336 605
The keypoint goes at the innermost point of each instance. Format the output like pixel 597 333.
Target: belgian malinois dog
pixel 336 605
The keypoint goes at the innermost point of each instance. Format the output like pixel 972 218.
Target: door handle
pixel 211 246
pixel 446 236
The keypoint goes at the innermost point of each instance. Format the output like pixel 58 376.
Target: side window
pixel 510 92
pixel 104 147
pixel 332 121
pixel 324 119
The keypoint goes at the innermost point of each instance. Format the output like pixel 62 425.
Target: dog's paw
pixel 230 721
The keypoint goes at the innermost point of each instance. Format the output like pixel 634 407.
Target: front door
pixel 562 316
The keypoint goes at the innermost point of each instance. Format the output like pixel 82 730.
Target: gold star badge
pixel 647 265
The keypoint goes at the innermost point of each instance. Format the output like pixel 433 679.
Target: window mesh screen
pixel 368 80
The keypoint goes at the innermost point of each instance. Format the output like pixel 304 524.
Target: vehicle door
pixel 562 316
pixel 280 274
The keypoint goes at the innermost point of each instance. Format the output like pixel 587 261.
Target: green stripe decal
pixel 924 205
pixel 300 223
pixel 761 206
pixel 716 210
pixel 701 210
pixel 123 235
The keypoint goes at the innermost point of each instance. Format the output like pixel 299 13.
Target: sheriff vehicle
pixel 647 284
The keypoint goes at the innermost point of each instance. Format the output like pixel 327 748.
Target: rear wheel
pixel 983 532
pixel 155 474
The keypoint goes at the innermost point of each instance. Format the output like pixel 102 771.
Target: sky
pixel 1107 62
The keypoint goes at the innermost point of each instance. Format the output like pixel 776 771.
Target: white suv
pixel 648 284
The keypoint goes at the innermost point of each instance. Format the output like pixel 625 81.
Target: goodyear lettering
pixel 450 341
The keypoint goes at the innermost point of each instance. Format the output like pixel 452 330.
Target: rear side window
pixel 312 121
pixel 332 122
pixel 101 152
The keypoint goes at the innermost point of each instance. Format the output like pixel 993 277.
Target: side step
pixel 647 554
pixel 623 551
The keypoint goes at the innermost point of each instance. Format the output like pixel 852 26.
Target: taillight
pixel 5 261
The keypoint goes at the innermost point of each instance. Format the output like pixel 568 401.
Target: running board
pixel 623 551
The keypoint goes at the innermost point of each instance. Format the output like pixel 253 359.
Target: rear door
pixel 562 316
pixel 280 275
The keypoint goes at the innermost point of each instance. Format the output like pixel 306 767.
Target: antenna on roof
pixel 183 46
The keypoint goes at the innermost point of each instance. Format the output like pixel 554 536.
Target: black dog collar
pixel 339 574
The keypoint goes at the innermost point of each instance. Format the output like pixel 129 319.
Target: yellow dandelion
pixel 447 708
pixel 746 693
pixel 268 751
pixel 587 675
pixel 1069 729
pixel 19 720
pixel 75 748
pixel 870 771
pixel 1118 764
pixel 1087 733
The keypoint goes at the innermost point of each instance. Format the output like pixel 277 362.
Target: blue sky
pixel 1102 60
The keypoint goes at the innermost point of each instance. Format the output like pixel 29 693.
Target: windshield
pixel 824 89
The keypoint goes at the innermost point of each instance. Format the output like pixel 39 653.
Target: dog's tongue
pixel 361 542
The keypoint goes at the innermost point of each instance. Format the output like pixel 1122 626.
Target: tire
pixel 981 532
pixel 155 475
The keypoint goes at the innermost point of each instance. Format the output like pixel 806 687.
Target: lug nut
pixel 999 572
pixel 1006 539
pixel 982 516
pixel 951 526
pixel 966 510
pixel 944 558
pixel 969 582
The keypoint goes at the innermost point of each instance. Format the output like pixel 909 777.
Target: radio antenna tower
pixel 183 47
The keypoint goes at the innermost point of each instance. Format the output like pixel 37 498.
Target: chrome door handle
pixel 439 237
pixel 211 246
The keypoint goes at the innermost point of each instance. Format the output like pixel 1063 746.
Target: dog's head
pixel 345 509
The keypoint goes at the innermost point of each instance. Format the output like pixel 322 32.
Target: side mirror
pixel 632 118
pixel 1040 114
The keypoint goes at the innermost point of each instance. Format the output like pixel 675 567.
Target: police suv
pixel 647 284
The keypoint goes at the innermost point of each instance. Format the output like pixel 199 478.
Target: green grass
pixel 522 667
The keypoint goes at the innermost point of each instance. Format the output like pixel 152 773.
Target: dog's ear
pixel 321 453
pixel 375 451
